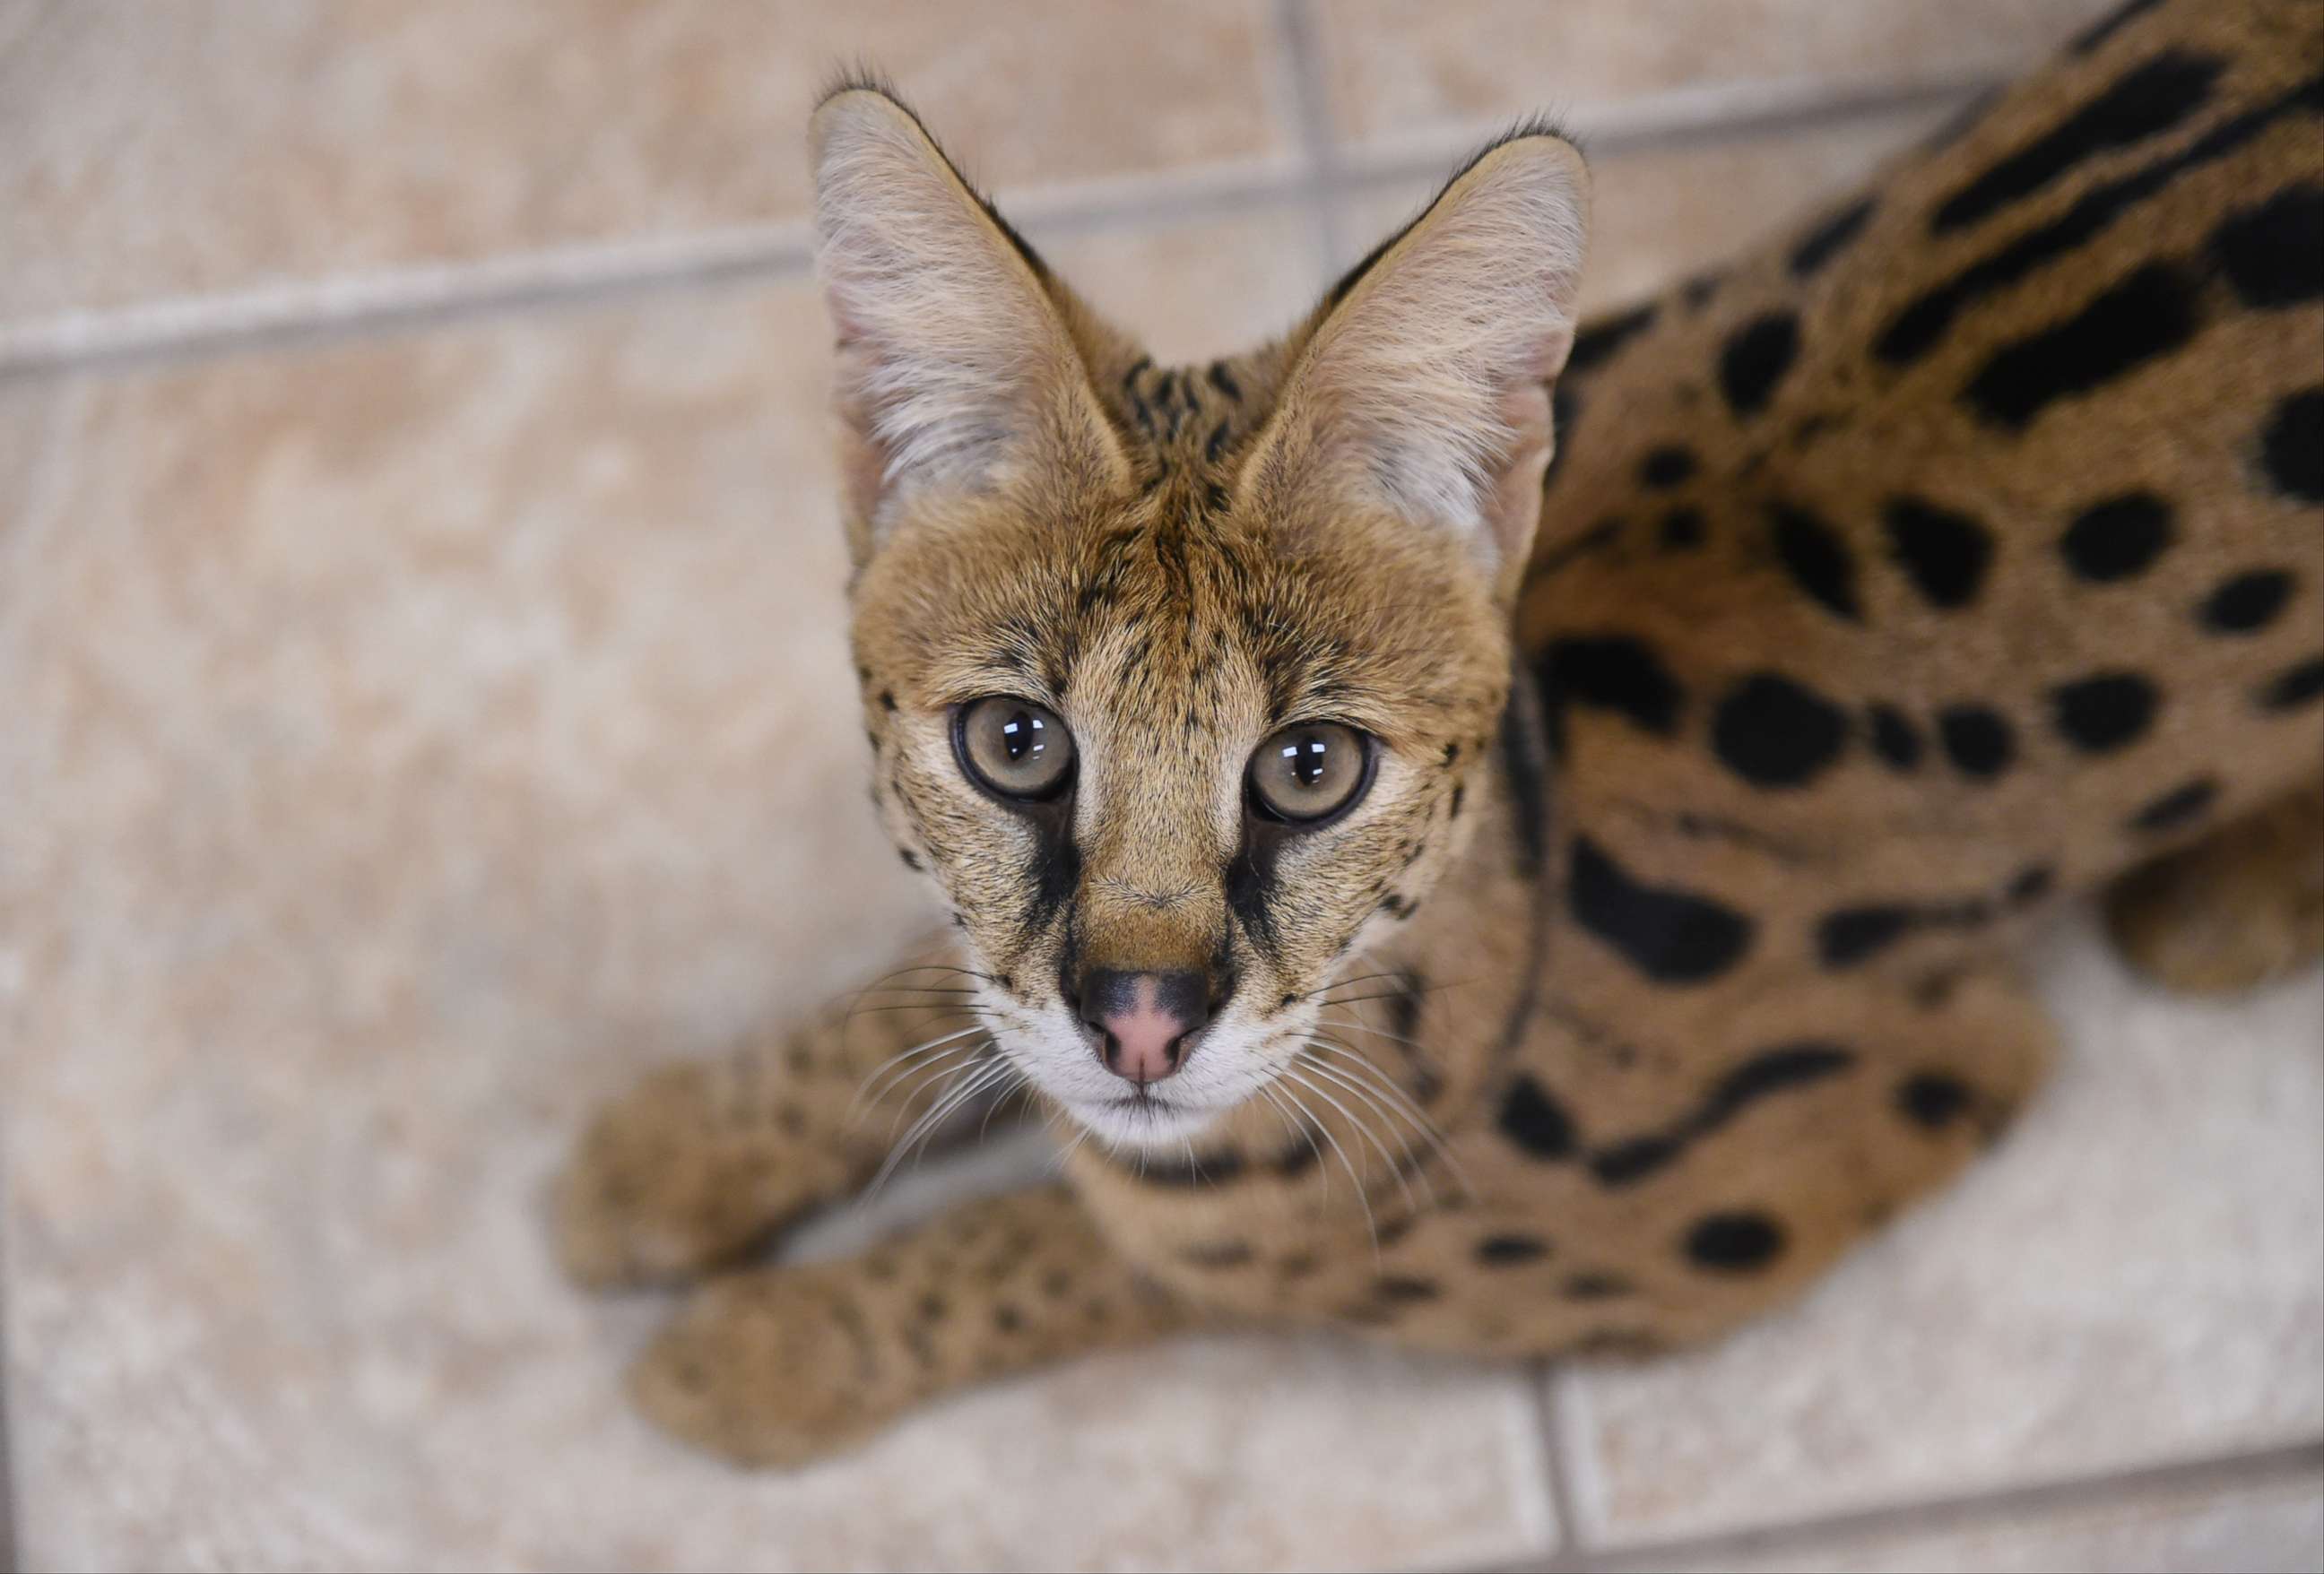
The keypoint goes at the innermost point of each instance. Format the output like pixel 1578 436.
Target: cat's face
pixel 1180 712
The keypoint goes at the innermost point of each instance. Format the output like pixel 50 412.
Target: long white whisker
pixel 1353 1179
pixel 904 1057
pixel 1364 1130
pixel 1340 1078
pixel 1353 1064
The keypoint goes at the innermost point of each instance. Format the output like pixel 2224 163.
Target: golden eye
pixel 1014 747
pixel 1310 772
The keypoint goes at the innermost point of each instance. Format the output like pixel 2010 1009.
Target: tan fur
pixel 1640 987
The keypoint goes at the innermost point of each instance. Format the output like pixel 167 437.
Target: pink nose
pixel 1141 1021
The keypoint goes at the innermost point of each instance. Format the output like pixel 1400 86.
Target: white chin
pixel 1147 1124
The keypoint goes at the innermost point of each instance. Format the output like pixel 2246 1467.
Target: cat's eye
pixel 1310 772
pixel 1013 747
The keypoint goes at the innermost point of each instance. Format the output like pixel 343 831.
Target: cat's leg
pixel 701 1161
pixel 2239 907
pixel 780 1366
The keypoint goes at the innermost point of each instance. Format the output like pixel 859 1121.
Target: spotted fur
pixel 1957 553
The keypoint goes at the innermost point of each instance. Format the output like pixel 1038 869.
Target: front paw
pixel 669 1182
pixel 778 1367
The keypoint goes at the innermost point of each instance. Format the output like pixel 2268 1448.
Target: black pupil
pixel 1306 758
pixel 1020 738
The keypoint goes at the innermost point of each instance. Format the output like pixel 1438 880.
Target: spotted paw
pixel 778 1367
pixel 673 1178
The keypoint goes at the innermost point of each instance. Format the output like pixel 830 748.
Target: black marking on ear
pixel 1223 381
pixel 1769 1072
pixel 1944 552
pixel 1934 1099
pixel 1671 935
pixel 1777 734
pixel 1504 1251
pixel 1977 739
pixel 2146 102
pixel 1755 358
pixel 1818 560
pixel 1682 529
pixel 2293 687
pixel 2118 536
pixel 1666 467
pixel 2105 710
pixel 2148 315
pixel 1611 672
pixel 1740 1242
pixel 2292 446
pixel 1895 739
pixel 2107 26
pixel 2247 602
pixel 2273 253
pixel 2176 808
pixel 1598 339
pixel 1824 242
pixel 1537 1122
pixel 1916 330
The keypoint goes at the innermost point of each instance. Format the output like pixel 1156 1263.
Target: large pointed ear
pixel 955 368
pixel 1425 386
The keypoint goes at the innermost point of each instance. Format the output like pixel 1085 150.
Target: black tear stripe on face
pixel 2147 100
pixel 1054 872
pixel 1916 330
pixel 1773 1071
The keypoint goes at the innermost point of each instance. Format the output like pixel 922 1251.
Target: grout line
pixel 425 295
pixel 8 1554
pixel 1319 150
pixel 2293 1462
pixel 1672 120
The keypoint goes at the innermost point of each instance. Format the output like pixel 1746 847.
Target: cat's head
pixel 1174 679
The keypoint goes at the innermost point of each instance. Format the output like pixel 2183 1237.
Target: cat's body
pixel 1957 554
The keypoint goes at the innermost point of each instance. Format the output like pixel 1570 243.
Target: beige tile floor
pixel 427 701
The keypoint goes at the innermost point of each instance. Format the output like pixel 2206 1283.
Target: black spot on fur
pixel 887 699
pixel 1769 1072
pixel 1524 774
pixel 1977 739
pixel 1501 1251
pixel 1945 554
pixel 1671 936
pixel 1594 1287
pixel 1402 1290
pixel 1852 935
pixel 1894 738
pixel 1666 467
pixel 2176 807
pixel 1818 560
pixel 2117 537
pixel 1822 243
pixel 1934 1099
pixel 1613 673
pixel 2105 712
pixel 2292 446
pixel 2293 687
pixel 1634 1159
pixel 2273 253
pixel 2148 315
pixel 2247 602
pixel 1564 409
pixel 1734 1243
pixel 1537 1122
pixel 1216 1168
pixel 1916 330
pixel 911 861
pixel 2030 885
pixel 1775 733
pixel 2146 101
pixel 1224 1254
pixel 1007 1319
pixel 1754 360
pixel 1682 529
pixel 1598 341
